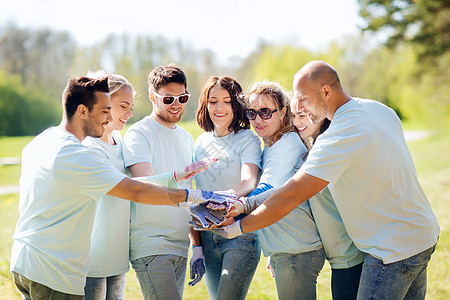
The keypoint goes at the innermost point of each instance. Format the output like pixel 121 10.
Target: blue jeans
pixel 405 279
pixel 296 274
pixel 161 276
pixel 109 288
pixel 33 290
pixel 230 264
pixel 345 282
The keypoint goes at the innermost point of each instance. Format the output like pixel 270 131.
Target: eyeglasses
pixel 264 113
pixel 167 100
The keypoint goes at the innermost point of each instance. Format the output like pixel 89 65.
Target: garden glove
pixel 197 263
pixel 205 216
pixel 228 232
pixel 190 170
pixel 199 196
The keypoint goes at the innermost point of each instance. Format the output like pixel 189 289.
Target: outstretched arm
pixel 297 190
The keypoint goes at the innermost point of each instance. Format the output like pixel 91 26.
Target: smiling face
pixel 99 116
pixel 305 126
pixel 268 128
pixel 308 98
pixel 220 110
pixel 122 104
pixel 168 115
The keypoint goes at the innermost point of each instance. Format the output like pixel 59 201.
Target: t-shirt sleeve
pixel 283 160
pixel 250 149
pixel 333 153
pixel 93 173
pixel 136 147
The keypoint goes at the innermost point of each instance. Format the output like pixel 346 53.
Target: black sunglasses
pixel 264 113
pixel 167 100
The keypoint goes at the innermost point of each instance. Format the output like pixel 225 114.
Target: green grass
pixel 432 160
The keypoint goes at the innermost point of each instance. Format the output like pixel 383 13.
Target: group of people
pixel 333 181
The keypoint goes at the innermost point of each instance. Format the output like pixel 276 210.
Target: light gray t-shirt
pixel 364 156
pixel 158 229
pixel 60 184
pixel 111 231
pixel 235 149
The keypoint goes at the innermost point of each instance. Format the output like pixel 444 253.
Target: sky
pixel 228 27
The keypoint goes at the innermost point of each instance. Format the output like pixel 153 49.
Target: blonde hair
pixel 116 82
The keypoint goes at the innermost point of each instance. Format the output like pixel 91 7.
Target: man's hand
pixel 197 264
pixel 228 232
pixel 236 208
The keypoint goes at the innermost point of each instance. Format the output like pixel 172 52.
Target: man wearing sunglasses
pixel 159 239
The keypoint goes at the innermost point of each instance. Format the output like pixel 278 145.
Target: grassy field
pixel 432 160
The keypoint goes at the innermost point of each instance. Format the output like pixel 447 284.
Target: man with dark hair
pixel 159 239
pixel 60 184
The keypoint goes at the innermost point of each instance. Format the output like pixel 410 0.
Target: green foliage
pixel 22 112
pixel 280 63
pixel 425 23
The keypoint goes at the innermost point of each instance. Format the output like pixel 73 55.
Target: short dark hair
pixel 81 90
pixel 240 120
pixel 165 74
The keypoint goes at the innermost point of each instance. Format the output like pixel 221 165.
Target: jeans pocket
pixel 39 291
pixel 414 264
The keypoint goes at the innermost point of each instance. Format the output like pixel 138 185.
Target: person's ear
pixel 82 111
pixel 283 112
pixel 326 91
pixel 152 97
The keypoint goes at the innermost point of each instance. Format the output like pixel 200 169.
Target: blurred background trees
pixel 408 70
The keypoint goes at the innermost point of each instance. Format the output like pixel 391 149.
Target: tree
pixel 21 112
pixel 40 57
pixel 425 23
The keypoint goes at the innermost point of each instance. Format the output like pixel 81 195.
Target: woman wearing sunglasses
pixel 293 243
pixel 230 264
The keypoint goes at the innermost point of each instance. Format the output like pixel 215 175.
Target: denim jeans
pixel 105 288
pixel 33 290
pixel 296 274
pixel 230 264
pixel 345 282
pixel 161 276
pixel 405 279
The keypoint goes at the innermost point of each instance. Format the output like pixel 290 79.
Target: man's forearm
pixel 147 193
pixel 296 191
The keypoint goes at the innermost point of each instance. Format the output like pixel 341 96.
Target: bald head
pixel 318 73
pixel 318 91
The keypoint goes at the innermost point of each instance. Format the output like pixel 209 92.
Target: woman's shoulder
pixel 290 138
pixel 246 133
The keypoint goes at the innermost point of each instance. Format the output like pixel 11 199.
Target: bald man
pixel 364 160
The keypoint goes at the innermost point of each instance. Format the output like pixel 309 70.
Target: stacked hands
pixel 217 212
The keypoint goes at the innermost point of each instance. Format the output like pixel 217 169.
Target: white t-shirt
pixel 60 184
pixel 364 156
pixel 235 149
pixel 111 231
pixel 296 232
pixel 158 229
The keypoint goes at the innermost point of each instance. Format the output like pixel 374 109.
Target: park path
pixel 410 135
